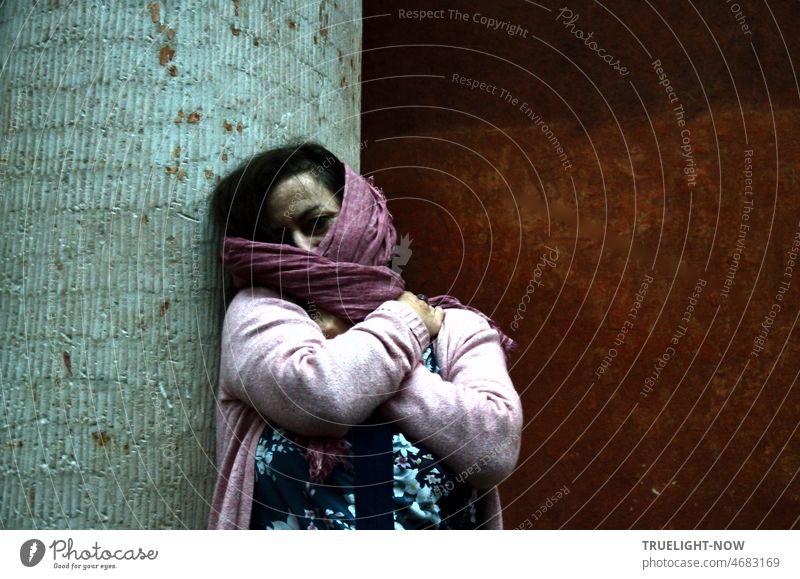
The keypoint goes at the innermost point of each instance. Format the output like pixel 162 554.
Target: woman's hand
pixel 330 325
pixel 431 317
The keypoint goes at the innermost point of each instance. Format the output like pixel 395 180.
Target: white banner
pixel 373 554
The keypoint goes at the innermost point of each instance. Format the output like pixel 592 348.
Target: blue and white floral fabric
pixel 427 494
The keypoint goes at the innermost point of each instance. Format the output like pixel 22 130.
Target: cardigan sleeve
pixel 275 358
pixel 471 416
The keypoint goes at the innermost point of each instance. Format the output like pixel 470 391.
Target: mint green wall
pixel 116 122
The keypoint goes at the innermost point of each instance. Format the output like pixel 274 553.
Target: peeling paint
pixel 166 54
pixel 101 438
pixel 177 171
pixel 164 395
pixel 155 10
pixel 67 362
pixel 187 217
pixel 323 19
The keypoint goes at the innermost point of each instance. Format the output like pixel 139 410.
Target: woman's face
pixel 301 211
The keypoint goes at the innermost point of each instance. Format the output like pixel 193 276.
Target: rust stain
pixel 171 33
pixel 166 54
pixel 176 152
pixel 181 175
pixel 172 71
pixel 239 127
pixel 179 117
pixel 292 24
pixel 235 31
pixel 67 362
pixel 227 126
pixel 171 170
pixel 155 9
pixel 323 19
pixel 126 448
pixel 193 118
pixel 208 174
pixel 101 438
pixel 163 309
pixel 236 7
pixel 224 156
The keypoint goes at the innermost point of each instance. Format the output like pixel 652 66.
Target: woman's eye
pixel 317 225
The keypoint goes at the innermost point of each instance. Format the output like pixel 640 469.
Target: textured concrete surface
pixel 649 399
pixel 116 121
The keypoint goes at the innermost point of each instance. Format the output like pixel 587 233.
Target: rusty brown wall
pixel 674 408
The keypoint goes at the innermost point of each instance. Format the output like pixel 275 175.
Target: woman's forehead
pixel 296 195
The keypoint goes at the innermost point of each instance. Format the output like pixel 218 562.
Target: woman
pixel 325 358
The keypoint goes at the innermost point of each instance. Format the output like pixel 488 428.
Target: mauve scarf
pixel 347 275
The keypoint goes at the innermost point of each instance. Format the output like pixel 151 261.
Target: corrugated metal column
pixel 116 122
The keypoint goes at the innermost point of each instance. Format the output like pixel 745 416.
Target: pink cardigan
pixel 276 364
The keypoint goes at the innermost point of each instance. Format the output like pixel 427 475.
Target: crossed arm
pixel 276 359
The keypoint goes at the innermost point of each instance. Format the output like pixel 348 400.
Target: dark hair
pixel 237 203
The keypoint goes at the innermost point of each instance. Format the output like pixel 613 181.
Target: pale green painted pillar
pixel 116 122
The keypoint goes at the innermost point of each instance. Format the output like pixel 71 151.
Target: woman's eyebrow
pixel 306 212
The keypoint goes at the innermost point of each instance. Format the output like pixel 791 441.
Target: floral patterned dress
pixel 427 494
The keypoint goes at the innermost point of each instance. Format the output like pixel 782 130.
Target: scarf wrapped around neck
pixel 347 275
